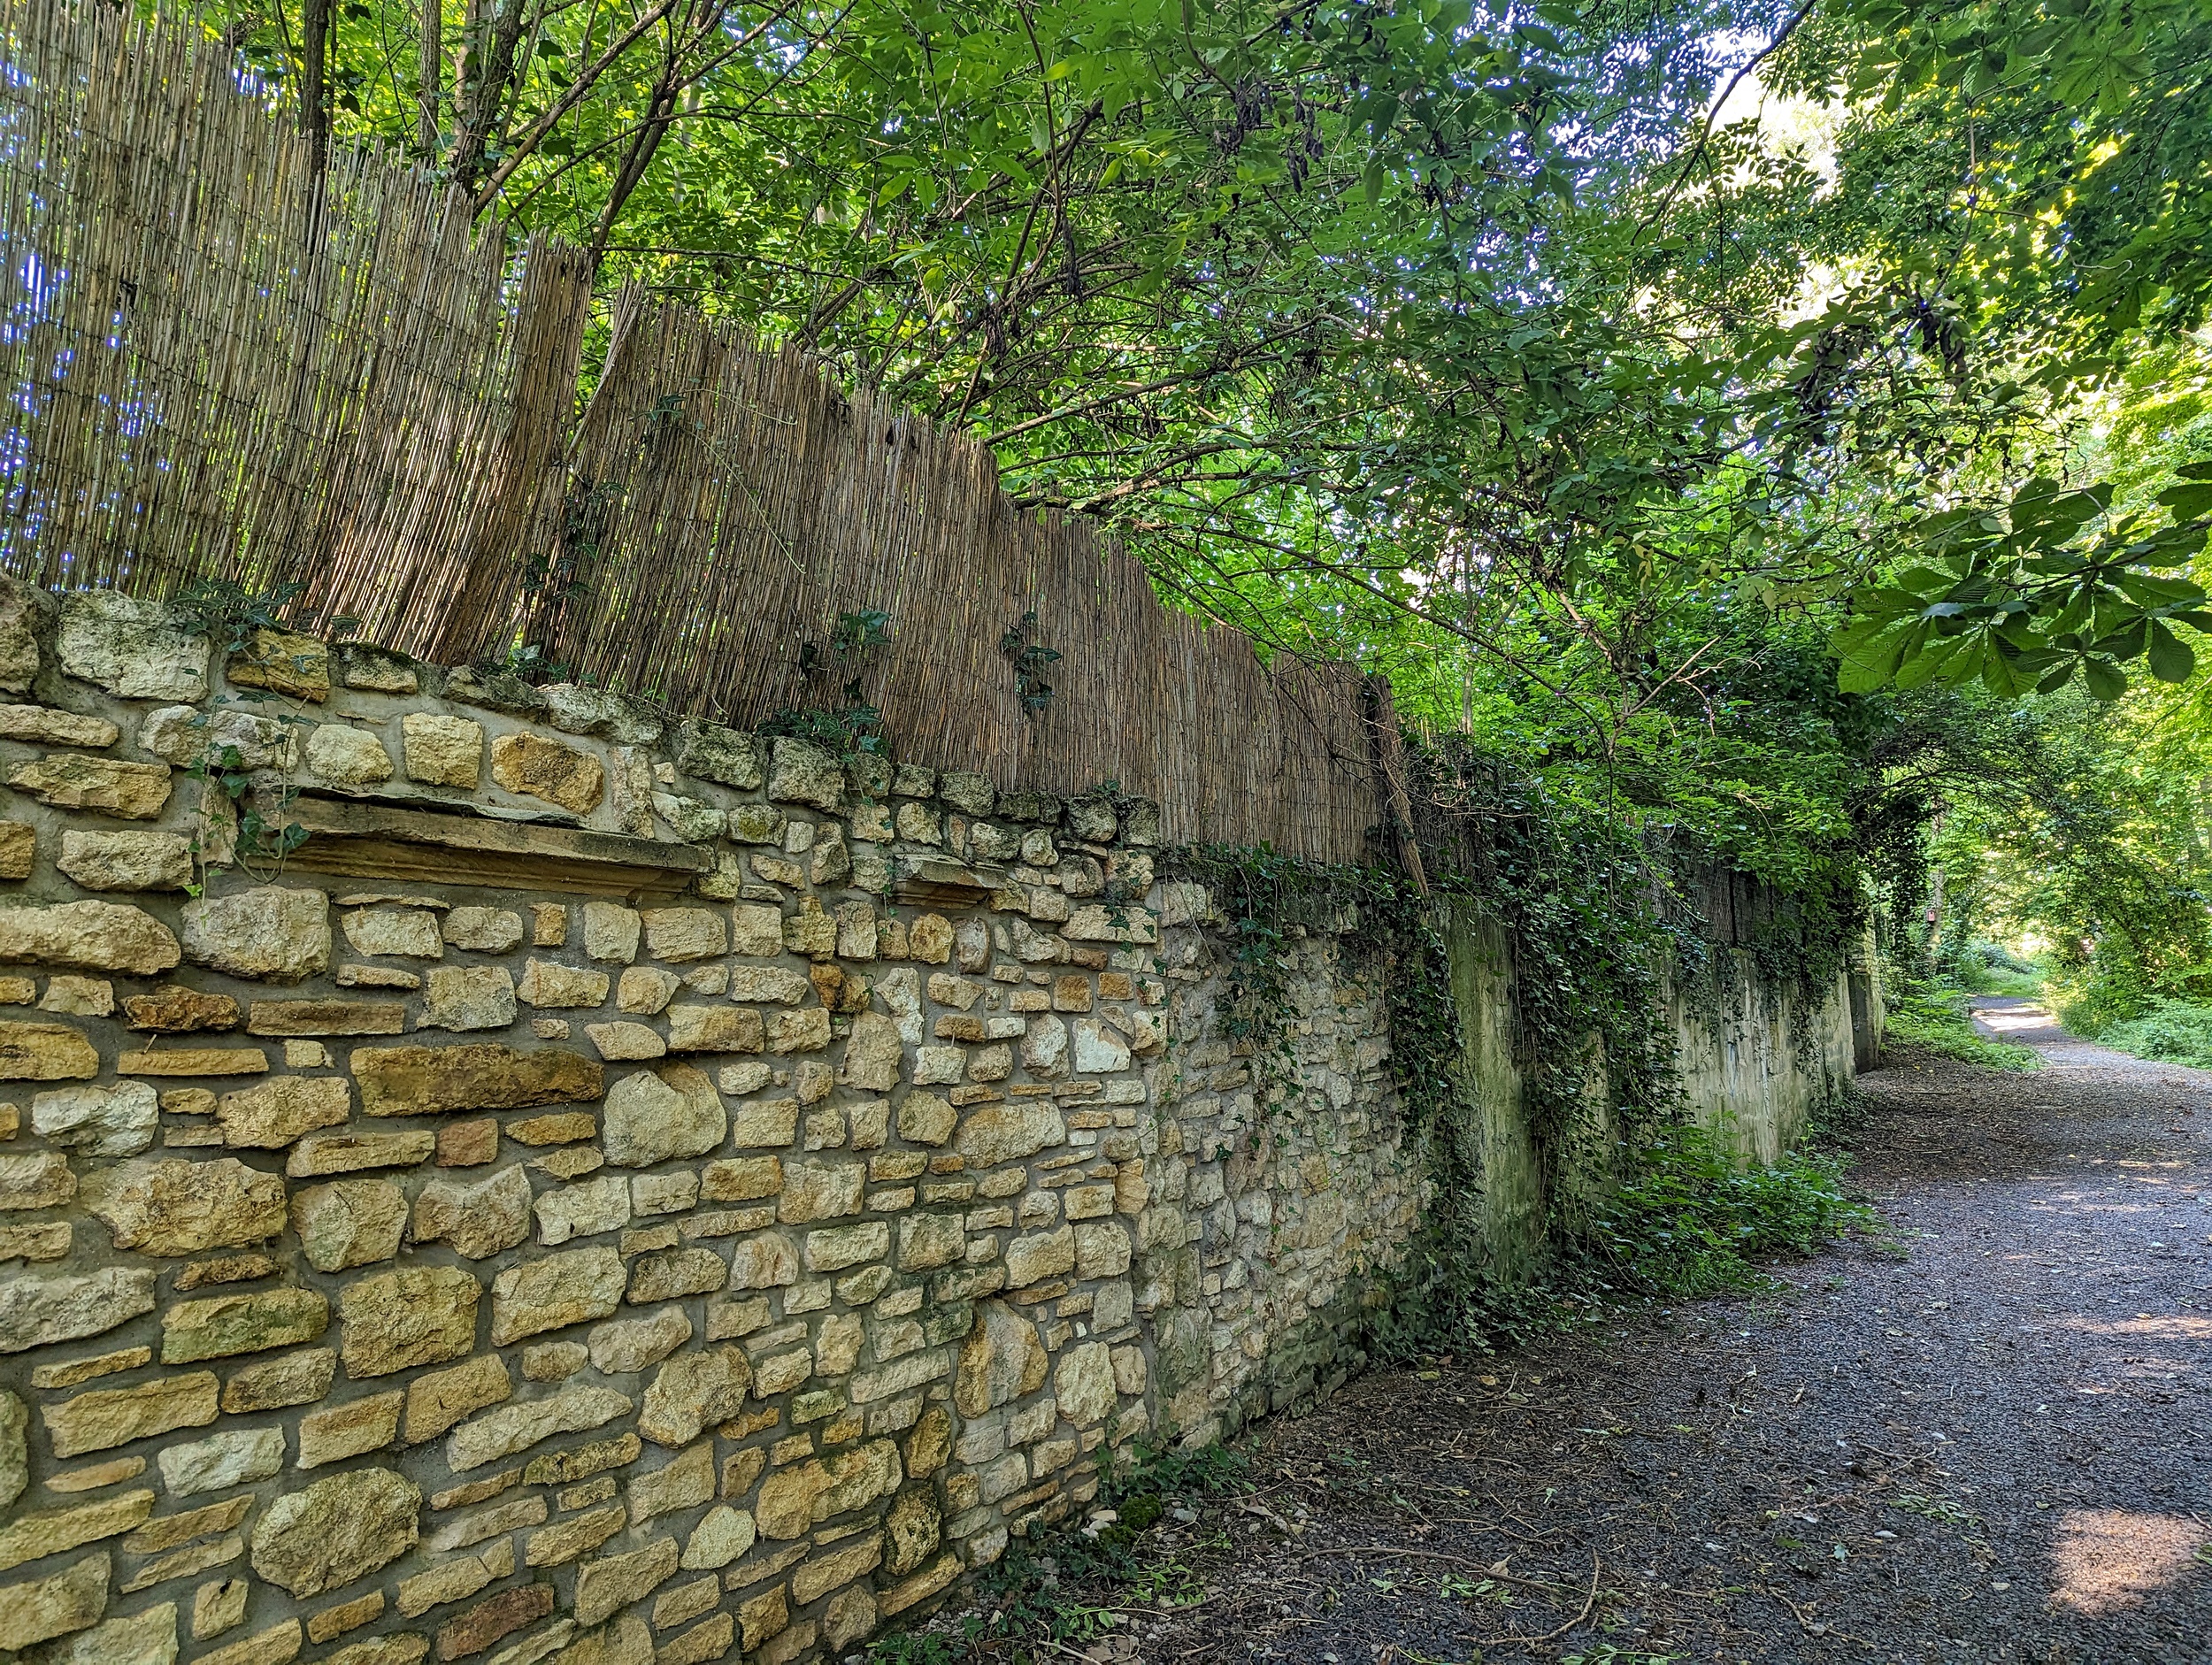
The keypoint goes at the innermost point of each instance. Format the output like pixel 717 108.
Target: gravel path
pixel 1993 1441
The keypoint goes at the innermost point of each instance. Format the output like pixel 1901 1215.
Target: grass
pixel 1931 1014
pixel 2172 1032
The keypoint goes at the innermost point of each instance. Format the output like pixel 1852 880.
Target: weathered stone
pixel 271 933
pixel 676 1273
pixel 555 1292
pixel 1083 1382
pixel 106 786
pixel 479 1220
pixel 142 1639
pixel 483 930
pixel 515 1427
pixel 339 1431
pixel 131 647
pixel 611 932
pixel 172 1207
pixel 821 1191
pixel 576 709
pixel 468 997
pixel 543 768
pixel 320 1153
pixel 658 1114
pixel 437 1402
pixel 225 1325
pixel 806 1030
pixel 708 751
pixel 79 996
pixel 395 932
pixel 174 1009
pixel 126 861
pixel 834 1250
pixel 626 1043
pixel 420 1080
pixel 380 670
pixel 19 850
pixel 414 1315
pixel 188 1060
pixel 326 1017
pixel 714 1029
pixel 336 1531
pixel 402 1647
pixel 631 1344
pixel 1002 1361
pixel 298 1379
pixel 89 936
pixel 43 1532
pixel 217 739
pixel 221 1461
pixel 803 772
pixel 104 1123
pixel 115 1416
pixel 219 1607
pixel 284 662
pixel 548 982
pixel 927 1241
pixel 1010 1132
pixel 488 1622
pixel 442 751
pixel 348 757
pixel 692 1390
pixel 584 1210
pixel 71 1599
pixel 1098 1050
pixel 873 1053
pixel 24 611
pixel 275 1113
pixel 352 1222
pixel 15 1472
pixel 1029 1260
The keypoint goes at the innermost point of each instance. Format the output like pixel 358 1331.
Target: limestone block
pixel 350 1223
pixel 582 1210
pixel 337 1531
pixel 555 1292
pixel 321 1154
pixel 721 1536
pixel 272 932
pixel 715 1029
pixel 611 932
pixel 483 930
pixel 348 757
pixel 1009 1131
pixel 691 1392
pixel 345 1430
pixel 172 1207
pixel 107 1417
pixel 708 751
pixel 540 767
pixel 106 786
pixel 41 1532
pixel 436 1401
pixel 840 1247
pixel 225 1325
pixel 142 1639
pixel 96 936
pixel 295 1379
pixel 414 1315
pixel 38 1180
pixel 442 751
pixel 222 739
pixel 464 997
pixel 820 1191
pixel 545 983
pixel 789 1031
pixel 1030 1260
pixel 173 1010
pixel 1003 1360
pixel 802 773
pixel 24 611
pixel 1102 1250
pixel 283 662
pixel 658 1114
pixel 407 932
pixel 41 726
pixel 680 934
pixel 927 1241
pixel 19 848
pixel 626 1043
pixel 71 1599
pixel 424 1080
pixel 770 1260
pixel 126 861
pixel 103 1122
pixel 926 1119
pixel 274 1113
pixel 515 1427
pixel 131 647
pixel 623 1345
pixel 482 1219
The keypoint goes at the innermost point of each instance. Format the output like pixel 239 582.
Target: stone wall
pixel 491 1172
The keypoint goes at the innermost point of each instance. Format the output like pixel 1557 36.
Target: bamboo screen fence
pixel 219 366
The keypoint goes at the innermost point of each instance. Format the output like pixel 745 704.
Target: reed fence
pixel 224 364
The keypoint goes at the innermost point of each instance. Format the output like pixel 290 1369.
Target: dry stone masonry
pixel 531 1180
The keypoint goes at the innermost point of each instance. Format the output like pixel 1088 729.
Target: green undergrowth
pixel 1052 1596
pixel 2172 1032
pixel 1684 1220
pixel 1931 1014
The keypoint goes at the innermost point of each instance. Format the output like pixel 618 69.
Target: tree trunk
pixel 430 76
pixel 314 83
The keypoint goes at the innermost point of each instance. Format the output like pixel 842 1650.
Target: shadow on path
pixel 1997 1447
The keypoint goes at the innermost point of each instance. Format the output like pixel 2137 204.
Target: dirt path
pixel 1997 1447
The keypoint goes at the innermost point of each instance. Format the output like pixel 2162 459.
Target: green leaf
pixel 2170 659
pixel 2106 680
